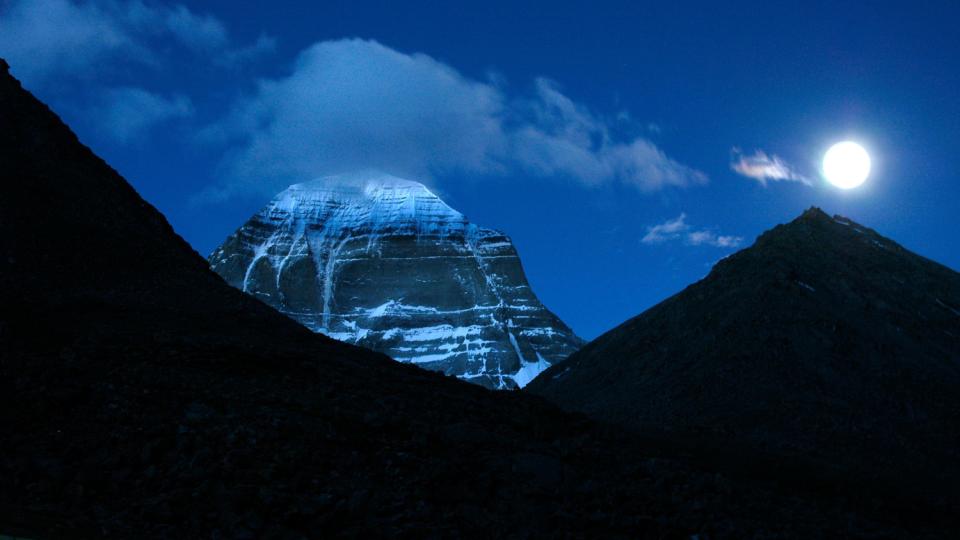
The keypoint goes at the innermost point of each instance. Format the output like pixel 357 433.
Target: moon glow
pixel 846 165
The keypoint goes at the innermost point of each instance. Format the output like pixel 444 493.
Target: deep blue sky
pixel 151 86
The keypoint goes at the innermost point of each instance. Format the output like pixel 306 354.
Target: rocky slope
pixel 143 397
pixel 823 341
pixel 382 262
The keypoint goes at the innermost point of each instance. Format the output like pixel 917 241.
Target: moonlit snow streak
pixel 382 262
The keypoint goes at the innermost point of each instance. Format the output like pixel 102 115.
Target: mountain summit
pixel 824 340
pixel 380 261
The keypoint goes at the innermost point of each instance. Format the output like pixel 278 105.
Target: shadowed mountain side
pixel 141 396
pixel 824 341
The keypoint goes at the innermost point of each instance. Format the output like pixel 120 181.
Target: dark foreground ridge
pixel 824 342
pixel 142 397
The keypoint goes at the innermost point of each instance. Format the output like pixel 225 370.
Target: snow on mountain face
pixel 382 262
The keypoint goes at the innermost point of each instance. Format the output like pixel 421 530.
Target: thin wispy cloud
pixel 88 49
pixel 353 103
pixel 763 168
pixel 52 39
pixel 710 238
pixel 672 229
pixel 678 230
pixel 128 112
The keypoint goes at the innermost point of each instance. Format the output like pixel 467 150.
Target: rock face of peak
pixel 823 340
pixel 382 262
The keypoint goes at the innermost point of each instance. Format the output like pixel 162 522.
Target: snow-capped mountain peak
pixel 371 201
pixel 383 262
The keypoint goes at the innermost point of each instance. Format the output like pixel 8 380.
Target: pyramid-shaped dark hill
pixel 74 236
pixel 143 397
pixel 824 340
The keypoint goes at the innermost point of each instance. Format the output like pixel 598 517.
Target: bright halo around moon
pixel 846 165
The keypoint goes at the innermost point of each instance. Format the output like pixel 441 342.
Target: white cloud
pixel 47 40
pixel 344 105
pixel 202 33
pixel 709 238
pixel 127 112
pixel 762 167
pixel 353 104
pixel 668 230
pixel 677 229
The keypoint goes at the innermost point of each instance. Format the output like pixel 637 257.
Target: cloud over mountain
pixel 354 103
pixel 342 105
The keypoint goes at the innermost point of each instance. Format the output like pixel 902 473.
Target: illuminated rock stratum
pixel 383 262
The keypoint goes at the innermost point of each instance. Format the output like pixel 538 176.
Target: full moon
pixel 846 165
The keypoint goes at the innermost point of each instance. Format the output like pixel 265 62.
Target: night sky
pixel 603 137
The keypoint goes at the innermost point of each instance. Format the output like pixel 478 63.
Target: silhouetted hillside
pixel 142 397
pixel 824 341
